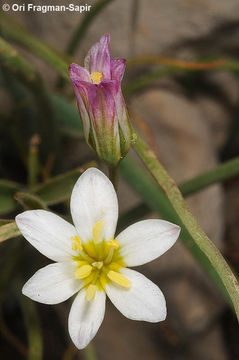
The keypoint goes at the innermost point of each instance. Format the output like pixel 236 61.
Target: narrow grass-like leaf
pixel 199 237
pixel 34 332
pixel 220 173
pixel 89 352
pixel 8 231
pixel 33 161
pixel 177 63
pixel 11 60
pixel 59 188
pixel 156 200
pixel 13 31
pixel 30 201
pixel 7 191
pixel 80 31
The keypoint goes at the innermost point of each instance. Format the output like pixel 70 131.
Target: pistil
pixel 96 77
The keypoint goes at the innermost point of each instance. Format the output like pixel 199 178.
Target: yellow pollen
pixel 97 264
pixel 76 243
pixel 119 279
pixel 90 292
pixel 83 271
pixel 82 262
pixel 96 77
pixel 113 243
pixel 97 231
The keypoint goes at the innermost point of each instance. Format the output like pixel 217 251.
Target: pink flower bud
pixel 101 104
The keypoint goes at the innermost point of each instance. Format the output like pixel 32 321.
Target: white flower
pixel 89 260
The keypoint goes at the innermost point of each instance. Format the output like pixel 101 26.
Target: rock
pixel 209 346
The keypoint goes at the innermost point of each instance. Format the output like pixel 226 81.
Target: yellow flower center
pixel 98 262
pixel 96 77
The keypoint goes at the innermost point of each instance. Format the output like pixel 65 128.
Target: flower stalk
pixel 200 238
pixel 114 175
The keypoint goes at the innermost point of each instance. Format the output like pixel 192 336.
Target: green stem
pixel 220 173
pixel 114 175
pixel 33 161
pixel 168 70
pixel 13 31
pixel 89 352
pixel 156 200
pixel 8 231
pixel 10 337
pixel 79 33
pixel 70 352
pixel 147 79
pixel 200 238
pixel 35 342
pixel 14 64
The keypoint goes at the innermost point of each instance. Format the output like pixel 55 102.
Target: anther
pixel 76 243
pixel 83 271
pixel 113 243
pixel 97 231
pixel 90 292
pixel 119 279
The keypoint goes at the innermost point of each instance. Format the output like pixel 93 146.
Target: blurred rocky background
pixel 190 117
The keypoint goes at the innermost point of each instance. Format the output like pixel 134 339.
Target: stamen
pixel 109 257
pixel 113 243
pixel 103 280
pixel 97 231
pixel 83 271
pixel 90 292
pixel 119 279
pixel 82 262
pixel 96 77
pixel 97 264
pixel 76 243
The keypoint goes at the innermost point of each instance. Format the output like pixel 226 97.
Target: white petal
pixel 146 240
pixel 53 284
pixel 48 233
pixel 85 318
pixel 142 301
pixel 94 199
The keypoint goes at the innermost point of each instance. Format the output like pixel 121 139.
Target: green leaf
pixel 8 230
pixel 11 30
pixel 30 201
pixel 222 172
pixel 156 200
pixel 59 188
pixel 34 331
pixel 14 64
pixel 79 33
pixel 7 191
